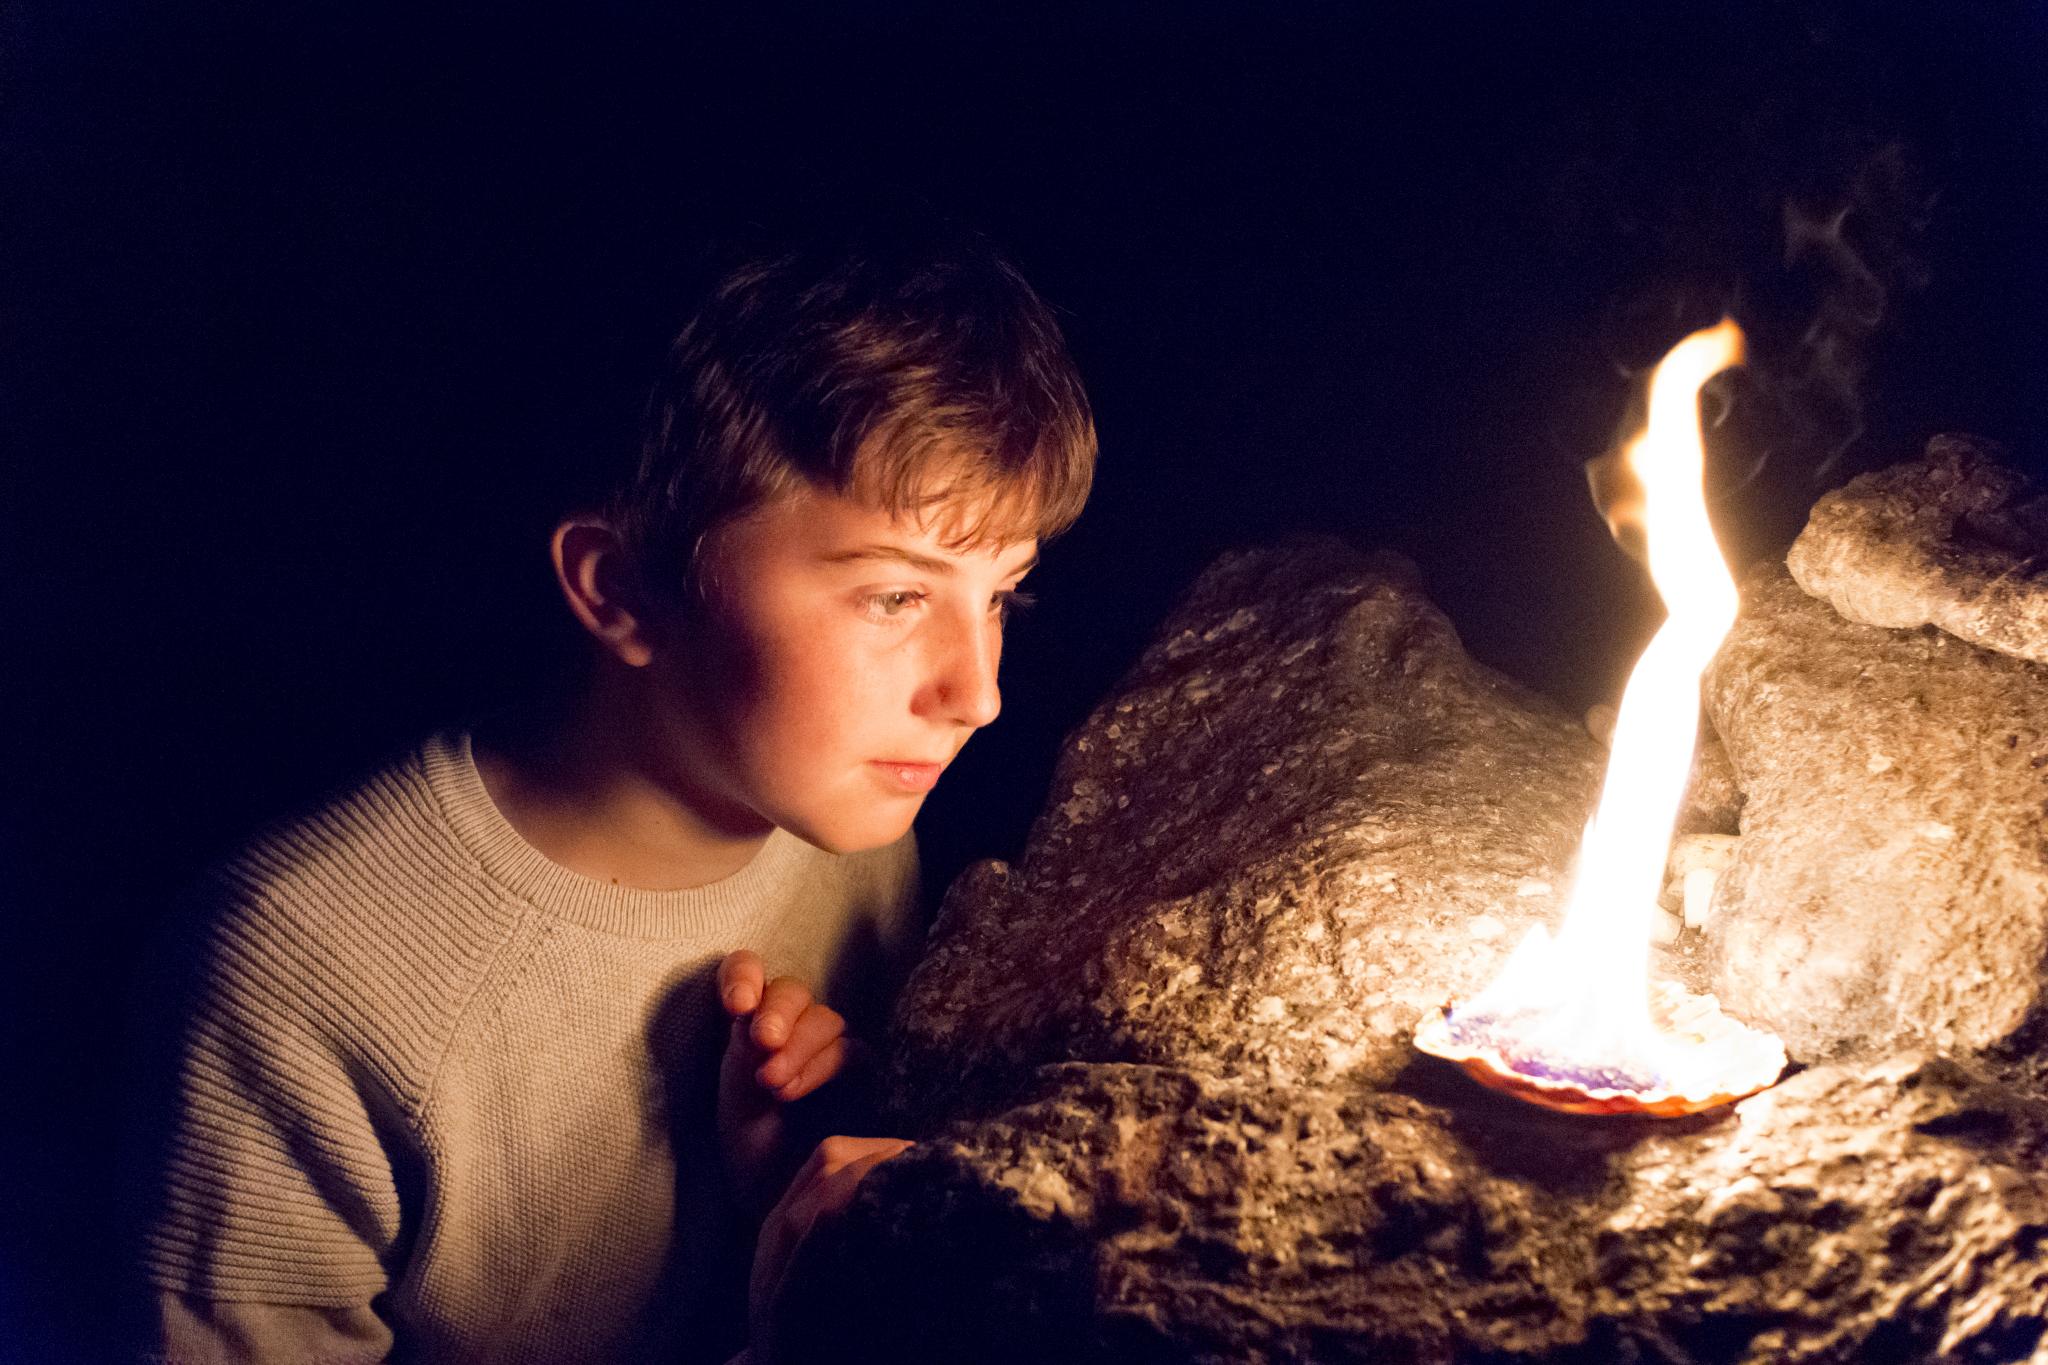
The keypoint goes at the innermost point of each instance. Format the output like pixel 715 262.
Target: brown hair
pixel 903 368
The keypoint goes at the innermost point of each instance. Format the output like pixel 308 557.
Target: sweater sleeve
pixel 278 1157
pixel 191 1331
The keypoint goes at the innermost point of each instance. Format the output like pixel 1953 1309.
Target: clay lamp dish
pixel 1734 1061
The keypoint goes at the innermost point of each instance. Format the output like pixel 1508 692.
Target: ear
pixel 598 582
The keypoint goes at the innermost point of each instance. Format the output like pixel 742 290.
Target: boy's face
pixel 846 657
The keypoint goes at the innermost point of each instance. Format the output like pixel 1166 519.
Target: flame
pixel 1577 1007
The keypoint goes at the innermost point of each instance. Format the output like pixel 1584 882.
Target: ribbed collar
pixel 508 859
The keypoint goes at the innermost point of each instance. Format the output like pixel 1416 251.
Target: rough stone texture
pixel 1713 799
pixel 1305 793
pixel 1167 1109
pixel 1128 1214
pixel 1891 886
pixel 1952 541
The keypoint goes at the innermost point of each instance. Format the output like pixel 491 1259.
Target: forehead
pixel 811 521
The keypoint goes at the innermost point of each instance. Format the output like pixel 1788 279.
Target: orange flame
pixel 1579 1004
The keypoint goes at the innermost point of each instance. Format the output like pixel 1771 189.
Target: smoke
pixel 1842 248
pixel 1845 260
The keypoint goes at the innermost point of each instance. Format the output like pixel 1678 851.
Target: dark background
pixel 308 307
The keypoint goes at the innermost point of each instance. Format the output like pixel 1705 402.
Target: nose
pixel 961 686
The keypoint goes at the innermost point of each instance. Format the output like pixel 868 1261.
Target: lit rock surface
pixel 1713 801
pixel 1126 1214
pixel 1305 819
pixel 1167 1111
pixel 1891 886
pixel 1953 541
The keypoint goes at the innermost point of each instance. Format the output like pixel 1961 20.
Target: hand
pixel 782 1046
pixel 824 1186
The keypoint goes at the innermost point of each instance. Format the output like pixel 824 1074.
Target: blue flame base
pixel 1505 1035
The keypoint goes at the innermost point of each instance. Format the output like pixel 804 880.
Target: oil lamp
pixel 1573 1021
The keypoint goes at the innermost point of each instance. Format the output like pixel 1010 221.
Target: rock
pixel 1126 1214
pixel 1600 718
pixel 1952 541
pixel 1713 801
pixel 1891 886
pixel 1698 896
pixel 1163 1092
pixel 1305 819
pixel 1692 854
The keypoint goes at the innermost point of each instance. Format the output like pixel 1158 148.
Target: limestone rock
pixel 1305 819
pixel 1128 1214
pixel 1713 801
pixel 1160 1072
pixel 1891 886
pixel 1953 541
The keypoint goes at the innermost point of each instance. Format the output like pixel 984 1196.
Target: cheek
pixel 823 695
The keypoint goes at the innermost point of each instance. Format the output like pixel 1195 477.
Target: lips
pixel 909 775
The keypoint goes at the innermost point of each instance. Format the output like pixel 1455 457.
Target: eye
pixel 889 606
pixel 1004 605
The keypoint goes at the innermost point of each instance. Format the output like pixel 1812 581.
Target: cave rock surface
pixel 1167 1110
pixel 1304 819
pixel 1891 886
pixel 1955 540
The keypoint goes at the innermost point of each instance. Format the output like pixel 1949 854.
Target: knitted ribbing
pixel 423 1065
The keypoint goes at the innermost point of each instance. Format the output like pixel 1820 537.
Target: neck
pixel 577 778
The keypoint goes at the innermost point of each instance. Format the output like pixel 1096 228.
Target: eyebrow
pixel 911 557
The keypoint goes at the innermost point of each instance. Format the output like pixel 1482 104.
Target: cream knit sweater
pixel 437 1097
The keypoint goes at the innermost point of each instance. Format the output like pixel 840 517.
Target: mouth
pixel 908 776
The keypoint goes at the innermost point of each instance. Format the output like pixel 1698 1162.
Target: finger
pixel 837 1152
pixel 832 1154
pixel 828 1156
pixel 783 1000
pixel 794 1213
pixel 822 1067
pixel 831 1191
pixel 739 981
pixel 797 1215
pixel 815 1029
pixel 826 1182
pixel 836 1191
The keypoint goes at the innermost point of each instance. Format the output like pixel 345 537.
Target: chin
pixel 853 831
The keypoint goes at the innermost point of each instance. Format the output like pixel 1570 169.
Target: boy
pixel 453 1077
